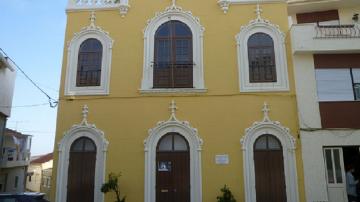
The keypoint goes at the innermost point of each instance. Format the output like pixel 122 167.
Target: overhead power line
pixel 52 102
pixel 25 106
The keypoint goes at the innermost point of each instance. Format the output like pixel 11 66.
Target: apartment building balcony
pixel 315 38
pixel 12 158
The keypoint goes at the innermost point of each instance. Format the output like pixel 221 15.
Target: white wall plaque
pixel 222 159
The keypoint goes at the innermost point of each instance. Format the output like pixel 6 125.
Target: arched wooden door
pixel 269 170
pixel 81 171
pixel 173 169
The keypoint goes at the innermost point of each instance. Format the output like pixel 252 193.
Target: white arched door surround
pixel 288 142
pixel 84 129
pixel 173 12
pixel 173 125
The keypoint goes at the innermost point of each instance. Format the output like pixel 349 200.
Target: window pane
pixel 89 145
pixel 260 143
pixel 163 53
pixel 334 84
pixel 273 143
pixel 357 91
pixel 164 30
pixel 166 143
pixel 329 167
pixel 182 29
pixel 78 145
pixel 173 56
pixel 183 51
pixel 261 55
pixel 180 143
pixel 89 63
pixel 337 166
pixel 356 75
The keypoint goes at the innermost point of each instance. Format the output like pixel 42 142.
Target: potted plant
pixel 226 195
pixel 112 186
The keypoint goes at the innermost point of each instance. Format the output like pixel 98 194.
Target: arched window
pixel 173 57
pixel 262 57
pixel 89 63
pixel 262 66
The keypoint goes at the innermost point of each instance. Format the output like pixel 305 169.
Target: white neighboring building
pixel 325 40
pixel 7 84
pixel 38 179
pixel 15 162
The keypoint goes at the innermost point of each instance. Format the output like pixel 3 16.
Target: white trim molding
pixel 173 12
pixel 264 26
pixel 195 143
pixel 91 31
pixel 288 142
pixel 122 5
pixel 225 4
pixel 84 129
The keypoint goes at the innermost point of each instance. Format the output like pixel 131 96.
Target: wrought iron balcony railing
pixel 169 75
pixel 337 31
pixel 88 78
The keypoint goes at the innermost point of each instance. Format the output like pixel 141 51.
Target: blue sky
pixel 32 34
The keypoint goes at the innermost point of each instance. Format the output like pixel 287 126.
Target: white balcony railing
pixel 327 38
pixel 12 158
pixel 122 5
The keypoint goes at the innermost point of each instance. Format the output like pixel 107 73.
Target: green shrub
pixel 112 185
pixel 226 195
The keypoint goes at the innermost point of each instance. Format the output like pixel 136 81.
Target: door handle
pixel 164 190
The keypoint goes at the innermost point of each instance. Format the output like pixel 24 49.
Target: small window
pixel 29 178
pixel 89 63
pixel 172 142
pixel 262 66
pixel 173 57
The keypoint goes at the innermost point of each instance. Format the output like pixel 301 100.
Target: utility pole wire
pixel 52 102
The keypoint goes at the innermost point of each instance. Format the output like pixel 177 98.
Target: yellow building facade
pixel 221 116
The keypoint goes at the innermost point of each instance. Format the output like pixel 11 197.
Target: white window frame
pixel 173 13
pixel 263 26
pixel 89 32
pixel 77 131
